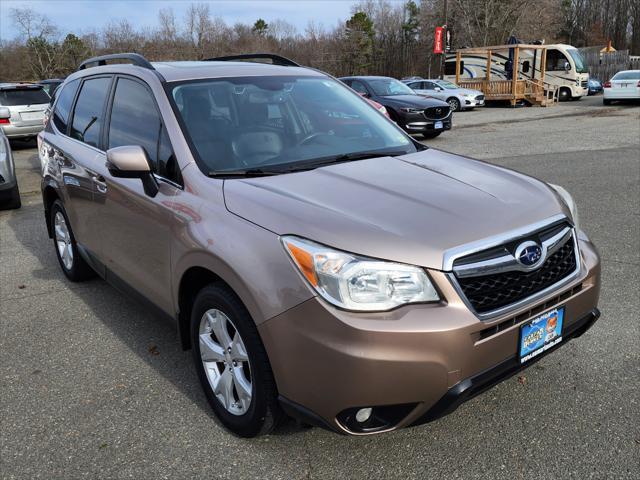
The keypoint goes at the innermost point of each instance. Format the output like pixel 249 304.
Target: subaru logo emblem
pixel 529 254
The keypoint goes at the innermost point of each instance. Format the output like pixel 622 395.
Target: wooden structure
pixel 531 88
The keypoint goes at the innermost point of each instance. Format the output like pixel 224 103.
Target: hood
pixel 466 91
pixel 407 209
pixel 413 101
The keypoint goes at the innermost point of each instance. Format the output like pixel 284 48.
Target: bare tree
pixel 38 31
pixel 198 24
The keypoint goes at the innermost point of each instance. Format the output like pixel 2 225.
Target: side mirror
pixel 132 162
pixel 364 94
pixel 438 89
pixel 5 113
pixel 567 66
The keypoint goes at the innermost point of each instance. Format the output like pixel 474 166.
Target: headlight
pixel 411 110
pixel 358 283
pixel 568 200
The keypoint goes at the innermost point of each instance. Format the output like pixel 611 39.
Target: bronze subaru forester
pixel 317 260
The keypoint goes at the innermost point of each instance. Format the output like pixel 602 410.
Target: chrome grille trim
pixel 553 243
pixel 474 247
pixel 506 263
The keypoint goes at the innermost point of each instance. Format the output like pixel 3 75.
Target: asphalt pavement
pixel 92 386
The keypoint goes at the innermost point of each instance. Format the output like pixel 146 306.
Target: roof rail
pixel 134 58
pixel 275 59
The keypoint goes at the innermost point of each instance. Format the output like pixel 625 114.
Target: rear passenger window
pixel 134 119
pixel 89 112
pixel 63 106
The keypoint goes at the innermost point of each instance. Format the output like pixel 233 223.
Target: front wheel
pixel 232 364
pixel 564 95
pixel 454 104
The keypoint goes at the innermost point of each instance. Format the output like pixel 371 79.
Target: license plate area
pixel 32 116
pixel 437 125
pixel 540 334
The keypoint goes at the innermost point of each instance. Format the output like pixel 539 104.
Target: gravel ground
pixel 93 387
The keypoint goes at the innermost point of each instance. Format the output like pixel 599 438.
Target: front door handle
pixel 99 181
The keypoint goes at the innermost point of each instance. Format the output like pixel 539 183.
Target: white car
pixel 458 98
pixel 624 85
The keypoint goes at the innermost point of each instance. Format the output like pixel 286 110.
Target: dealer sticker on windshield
pixel 540 334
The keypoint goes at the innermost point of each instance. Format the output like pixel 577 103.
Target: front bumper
pixel 417 123
pixel 472 103
pixel 419 362
pixel 15 131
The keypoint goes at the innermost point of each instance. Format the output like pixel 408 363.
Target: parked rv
pixel 565 69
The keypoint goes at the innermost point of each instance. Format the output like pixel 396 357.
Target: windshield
pixel 630 75
pixel 447 85
pixel 578 60
pixel 254 122
pixel 23 96
pixel 386 87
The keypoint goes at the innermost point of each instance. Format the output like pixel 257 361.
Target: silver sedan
pixel 458 98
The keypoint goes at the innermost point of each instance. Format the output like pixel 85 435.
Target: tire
pixel 73 265
pixel 220 319
pixel 454 103
pixel 431 135
pixel 12 200
pixel 564 95
pixel 606 101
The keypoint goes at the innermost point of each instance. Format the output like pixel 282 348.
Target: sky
pixel 81 16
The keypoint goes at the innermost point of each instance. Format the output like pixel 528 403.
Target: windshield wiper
pixel 247 172
pixel 306 165
pixel 346 157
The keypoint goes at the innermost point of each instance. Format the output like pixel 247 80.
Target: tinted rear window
pixel 633 75
pixel 63 105
pixel 23 96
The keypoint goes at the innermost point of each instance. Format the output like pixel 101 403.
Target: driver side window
pixel 556 60
pixel 429 86
pixel 135 121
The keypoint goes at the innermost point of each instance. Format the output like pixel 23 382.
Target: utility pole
pixel 444 53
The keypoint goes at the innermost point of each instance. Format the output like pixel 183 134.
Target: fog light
pixel 363 414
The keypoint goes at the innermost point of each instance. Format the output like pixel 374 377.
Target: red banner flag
pixel 438 46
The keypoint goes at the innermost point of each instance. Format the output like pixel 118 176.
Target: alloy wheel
pixel 225 361
pixel 454 104
pixel 63 240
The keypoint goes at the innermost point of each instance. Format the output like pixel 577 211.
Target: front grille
pixel 585 83
pixel 436 113
pixel 490 292
pixel 480 97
